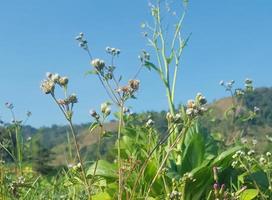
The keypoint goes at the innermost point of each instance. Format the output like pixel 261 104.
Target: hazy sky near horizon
pixel 230 40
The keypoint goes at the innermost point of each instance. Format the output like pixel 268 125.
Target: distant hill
pixel 54 139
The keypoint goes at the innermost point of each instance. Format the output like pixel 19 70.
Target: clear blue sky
pixel 230 40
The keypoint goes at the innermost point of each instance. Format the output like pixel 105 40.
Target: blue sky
pixel 230 40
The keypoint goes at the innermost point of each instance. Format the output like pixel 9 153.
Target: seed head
pixel 72 99
pixel 98 64
pixel 9 105
pixel 48 86
pixel 63 81
pixel 134 84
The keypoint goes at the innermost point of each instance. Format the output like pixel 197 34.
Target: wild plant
pixel 66 105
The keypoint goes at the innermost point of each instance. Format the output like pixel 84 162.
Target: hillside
pixel 54 140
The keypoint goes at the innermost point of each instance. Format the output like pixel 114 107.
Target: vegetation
pixel 190 152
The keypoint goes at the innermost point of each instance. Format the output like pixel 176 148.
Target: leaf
pixel 224 159
pixel 193 154
pixel 104 169
pixel 249 194
pixel 91 72
pixel 102 195
pixel 93 126
pixel 150 65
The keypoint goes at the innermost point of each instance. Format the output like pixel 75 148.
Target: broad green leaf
pixel 223 160
pixel 104 169
pixel 193 154
pixel 102 195
pixel 249 194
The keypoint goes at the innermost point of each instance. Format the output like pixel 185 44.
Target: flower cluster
pixel 106 72
pixel 48 84
pixel 48 87
pixel 196 107
pixel 238 92
pixel 249 85
pixel 83 43
pixel 144 56
pixel 130 89
pixel 9 105
pixel 113 51
pixel 228 85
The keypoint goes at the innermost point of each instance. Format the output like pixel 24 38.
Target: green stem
pixel 119 153
pixel 76 145
pixel 18 148
pixel 178 138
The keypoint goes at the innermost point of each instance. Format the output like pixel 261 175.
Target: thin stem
pixel 179 137
pixel 148 158
pixel 79 157
pixel 76 144
pixel 97 154
pixel 119 152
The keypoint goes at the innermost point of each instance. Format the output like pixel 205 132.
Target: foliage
pixel 177 154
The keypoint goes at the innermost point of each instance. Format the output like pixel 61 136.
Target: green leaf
pixel 93 126
pixel 224 159
pixel 150 65
pixel 102 195
pixel 91 72
pixel 194 153
pixel 104 169
pixel 249 194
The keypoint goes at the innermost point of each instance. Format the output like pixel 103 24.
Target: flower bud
pixel 98 64
pixel 72 98
pixel 63 81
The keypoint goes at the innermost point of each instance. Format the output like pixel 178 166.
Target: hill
pixel 51 144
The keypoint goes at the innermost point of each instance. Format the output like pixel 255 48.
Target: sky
pixel 230 39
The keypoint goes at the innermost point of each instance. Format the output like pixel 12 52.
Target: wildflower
pixel 263 161
pixel 49 75
pixel 144 56
pixel 113 51
pixel 234 164
pixel 222 83
pixel 251 152
pixel 9 105
pixel 48 86
pixel 28 113
pixel 149 123
pixel 248 81
pixel 134 84
pixel 191 104
pixel 83 43
pixel 189 111
pixel 256 109
pixel 254 142
pixel 201 99
pixel 98 64
pixel 63 81
pixel 94 114
pixel 268 154
pixel 244 140
pixel 21 180
pixel 169 117
pixel 239 92
pixel 72 99
pixel 105 109
pixel 55 78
